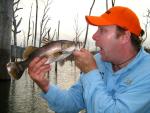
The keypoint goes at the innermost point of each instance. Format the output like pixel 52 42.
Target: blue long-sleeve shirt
pixel 104 91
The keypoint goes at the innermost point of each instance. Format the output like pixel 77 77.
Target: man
pixel 116 80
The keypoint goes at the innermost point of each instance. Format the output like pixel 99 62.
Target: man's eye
pixel 101 29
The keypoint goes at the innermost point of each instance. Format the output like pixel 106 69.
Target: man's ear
pixel 126 36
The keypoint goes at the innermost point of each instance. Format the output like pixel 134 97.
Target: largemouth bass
pixel 54 51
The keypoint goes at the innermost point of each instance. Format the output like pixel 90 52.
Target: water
pixel 23 96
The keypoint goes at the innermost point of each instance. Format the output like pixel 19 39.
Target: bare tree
pixel 147 16
pixel 50 38
pixel 15 26
pixel 113 2
pixel 24 37
pixel 29 26
pixel 36 20
pixel 106 5
pixel 56 66
pixel 78 31
pixel 87 27
pixel 44 22
pixel 32 33
pixel 15 23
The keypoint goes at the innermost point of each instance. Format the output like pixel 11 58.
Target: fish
pixel 54 51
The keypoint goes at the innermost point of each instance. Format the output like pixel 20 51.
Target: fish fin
pixel 28 51
pixel 45 41
pixel 16 69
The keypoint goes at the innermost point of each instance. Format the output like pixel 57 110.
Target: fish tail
pixel 16 69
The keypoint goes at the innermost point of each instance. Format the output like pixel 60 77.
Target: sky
pixel 66 11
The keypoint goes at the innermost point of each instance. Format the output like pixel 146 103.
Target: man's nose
pixel 95 36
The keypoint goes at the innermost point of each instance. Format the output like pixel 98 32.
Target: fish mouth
pixel 65 53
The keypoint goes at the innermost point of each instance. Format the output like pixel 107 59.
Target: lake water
pixel 22 96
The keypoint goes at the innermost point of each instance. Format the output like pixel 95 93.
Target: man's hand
pixel 37 69
pixel 84 60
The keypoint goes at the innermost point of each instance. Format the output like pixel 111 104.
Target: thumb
pixel 76 53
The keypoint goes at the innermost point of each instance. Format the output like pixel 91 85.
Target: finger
pixel 40 69
pixel 44 72
pixel 41 62
pixel 38 74
pixel 43 69
pixel 34 61
pixel 76 53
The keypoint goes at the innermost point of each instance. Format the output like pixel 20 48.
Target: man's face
pixel 108 42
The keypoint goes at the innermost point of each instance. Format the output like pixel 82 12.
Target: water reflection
pixel 22 96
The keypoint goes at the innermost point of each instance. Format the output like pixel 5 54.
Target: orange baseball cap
pixel 118 15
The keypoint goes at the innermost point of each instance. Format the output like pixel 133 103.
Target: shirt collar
pixel 142 53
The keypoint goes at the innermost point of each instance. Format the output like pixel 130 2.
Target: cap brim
pixel 97 21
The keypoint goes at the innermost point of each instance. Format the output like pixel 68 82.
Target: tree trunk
pixel 6 7
pixel 87 27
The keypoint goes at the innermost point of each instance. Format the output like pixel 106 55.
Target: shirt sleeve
pixel 134 100
pixel 65 101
